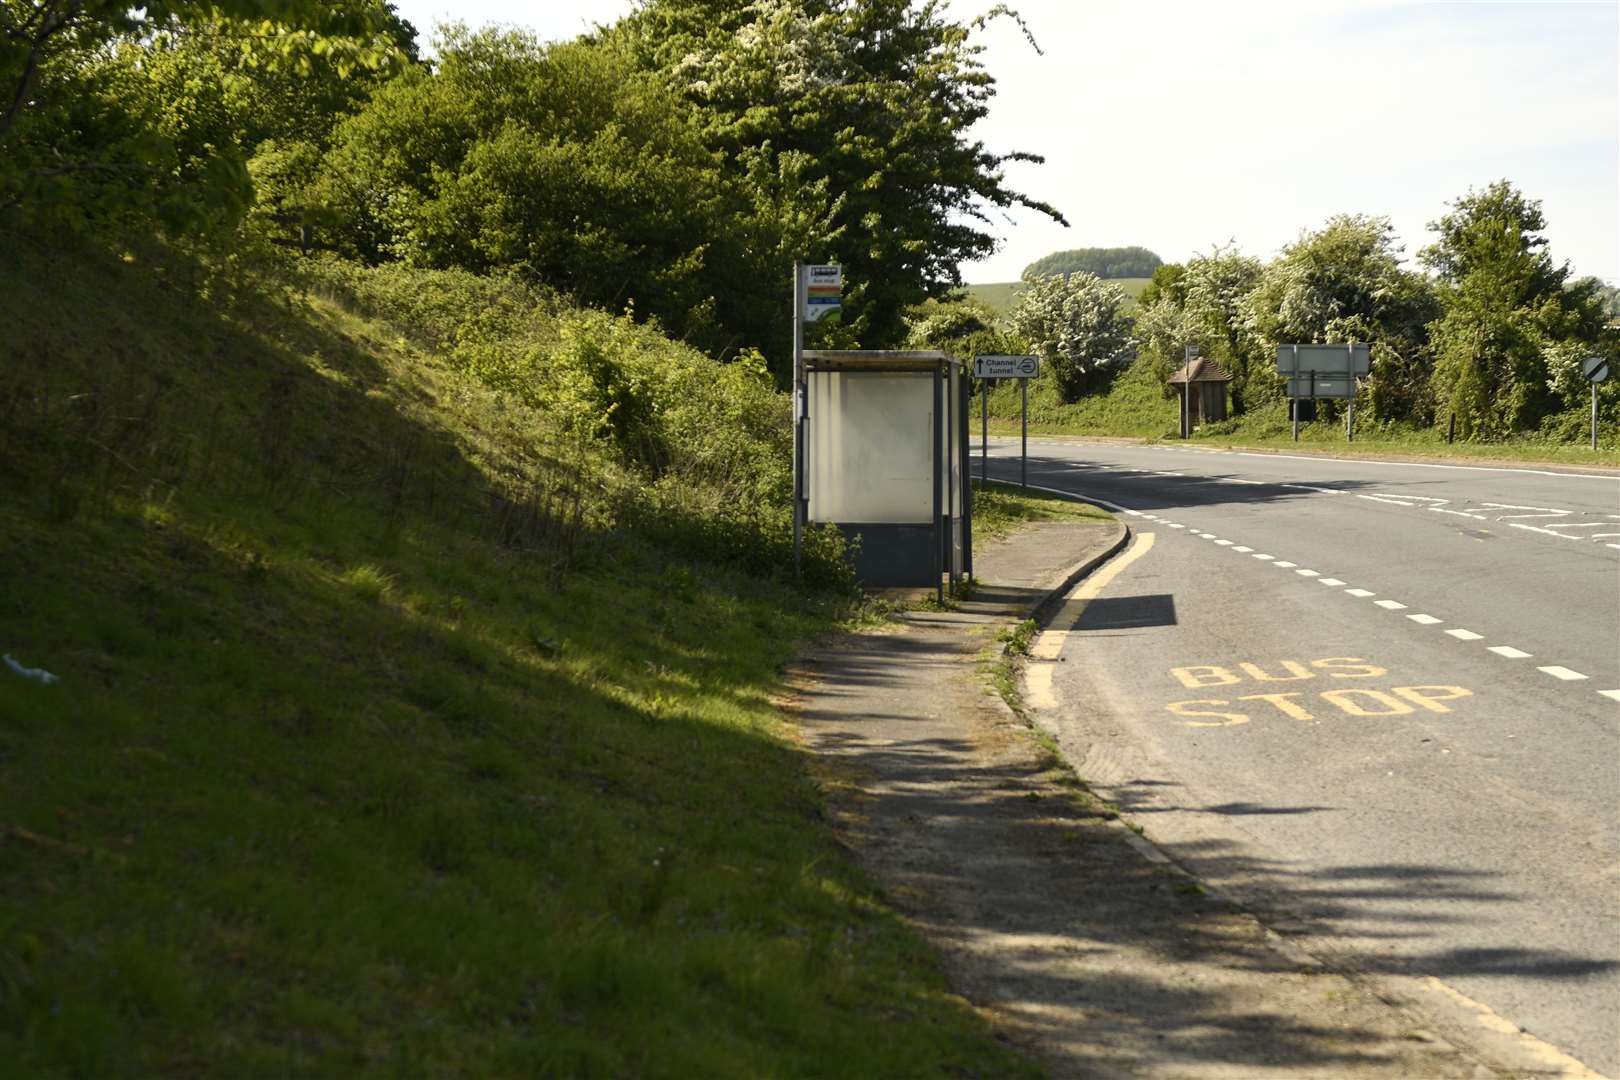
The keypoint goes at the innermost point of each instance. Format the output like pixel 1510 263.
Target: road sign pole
pixel 1594 416
pixel 1293 402
pixel 1186 391
pixel 1023 450
pixel 984 432
pixel 1350 414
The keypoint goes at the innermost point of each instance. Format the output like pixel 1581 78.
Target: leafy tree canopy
pixel 961 327
pixel 1507 309
pixel 871 100
pixel 112 112
pixel 1345 282
pixel 1110 263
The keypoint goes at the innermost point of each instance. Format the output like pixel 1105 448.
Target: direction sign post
pixel 1022 368
pixel 1596 369
pixel 1023 436
pixel 1323 371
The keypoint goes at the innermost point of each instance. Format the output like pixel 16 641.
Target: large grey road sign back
pixel 1321 386
pixel 1006 367
pixel 1341 360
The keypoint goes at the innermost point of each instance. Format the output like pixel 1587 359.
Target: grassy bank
pixel 403 727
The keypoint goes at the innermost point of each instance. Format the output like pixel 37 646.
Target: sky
pixel 1181 125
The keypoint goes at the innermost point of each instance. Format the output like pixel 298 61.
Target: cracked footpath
pixel 1077 941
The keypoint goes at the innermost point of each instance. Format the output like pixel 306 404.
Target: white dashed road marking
pixel 1557 671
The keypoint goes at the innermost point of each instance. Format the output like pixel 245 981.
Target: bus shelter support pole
pixel 940 537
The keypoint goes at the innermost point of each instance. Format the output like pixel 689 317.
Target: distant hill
pixel 1001 294
pixel 1111 263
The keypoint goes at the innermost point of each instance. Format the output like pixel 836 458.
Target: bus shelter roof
pixel 875 360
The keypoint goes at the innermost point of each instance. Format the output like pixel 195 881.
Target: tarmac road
pixel 1380 702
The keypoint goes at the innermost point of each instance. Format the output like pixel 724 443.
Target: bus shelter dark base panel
pixel 894 556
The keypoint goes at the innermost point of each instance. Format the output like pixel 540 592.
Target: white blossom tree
pixel 1076 323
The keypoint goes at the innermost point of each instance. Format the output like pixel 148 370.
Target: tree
pixel 1077 324
pixel 1120 262
pixel 873 102
pixel 1506 308
pixel 1345 283
pixel 1166 283
pixel 88 134
pixel 962 328
pixel 566 162
pixel 1216 288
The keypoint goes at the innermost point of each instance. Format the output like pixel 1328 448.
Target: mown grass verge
pixel 999 509
pixel 372 756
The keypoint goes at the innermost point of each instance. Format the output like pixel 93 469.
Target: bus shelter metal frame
pixel 957 501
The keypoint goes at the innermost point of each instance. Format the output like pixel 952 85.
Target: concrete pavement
pixel 1080 941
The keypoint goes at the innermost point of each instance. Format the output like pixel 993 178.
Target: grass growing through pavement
pixel 343 777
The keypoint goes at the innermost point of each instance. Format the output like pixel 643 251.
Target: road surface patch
pixel 1460 634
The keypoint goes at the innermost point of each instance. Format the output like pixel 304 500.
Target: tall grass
pixel 386 742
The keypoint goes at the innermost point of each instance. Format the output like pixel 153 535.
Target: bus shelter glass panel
pixel 871 447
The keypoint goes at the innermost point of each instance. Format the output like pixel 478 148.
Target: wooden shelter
pixel 1202 387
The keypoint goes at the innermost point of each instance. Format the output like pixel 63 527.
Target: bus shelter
pixel 884 456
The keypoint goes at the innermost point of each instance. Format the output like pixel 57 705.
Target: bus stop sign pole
pixel 799 391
